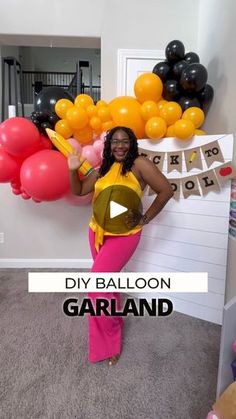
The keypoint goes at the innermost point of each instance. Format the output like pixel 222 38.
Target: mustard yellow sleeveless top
pixel 113 177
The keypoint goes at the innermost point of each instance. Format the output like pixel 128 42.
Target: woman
pixel 121 165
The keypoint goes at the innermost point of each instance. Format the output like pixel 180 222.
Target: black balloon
pixel 171 90
pixel 193 77
pixel 175 51
pixel 35 121
pixel 53 118
pixel 41 116
pixel 206 97
pixel 187 102
pixel 192 57
pixel 178 68
pixel 162 70
pixel 48 97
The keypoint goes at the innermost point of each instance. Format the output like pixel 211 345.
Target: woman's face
pixel 120 145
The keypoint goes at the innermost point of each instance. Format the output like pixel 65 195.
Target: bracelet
pixel 144 219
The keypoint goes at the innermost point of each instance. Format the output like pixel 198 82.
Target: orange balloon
pixel 63 128
pixel 91 111
pixel 106 126
pixel 101 103
pixel 155 128
pixel 149 109
pixel 77 117
pixel 194 114
pixel 84 136
pixel 170 131
pixel 161 103
pixel 104 113
pixel 199 132
pixel 148 86
pixel 83 100
pixel 95 123
pixel 171 112
pixel 62 107
pixel 125 111
pixel 184 129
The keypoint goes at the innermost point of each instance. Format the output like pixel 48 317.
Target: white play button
pixel 116 209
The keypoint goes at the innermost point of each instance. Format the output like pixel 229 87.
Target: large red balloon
pixel 9 166
pixel 45 175
pixel 19 136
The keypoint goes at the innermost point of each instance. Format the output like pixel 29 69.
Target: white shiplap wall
pixel 189 235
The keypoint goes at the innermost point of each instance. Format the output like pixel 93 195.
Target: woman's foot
pixel 113 360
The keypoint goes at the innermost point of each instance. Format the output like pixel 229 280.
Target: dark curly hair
pixel 108 160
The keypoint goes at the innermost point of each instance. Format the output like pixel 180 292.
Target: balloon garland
pixel 170 101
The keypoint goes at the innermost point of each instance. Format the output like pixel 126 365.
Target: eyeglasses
pixel 125 142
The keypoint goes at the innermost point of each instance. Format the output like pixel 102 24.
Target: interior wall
pixel 31 230
pixel 216 47
pixel 62 59
pixel 136 24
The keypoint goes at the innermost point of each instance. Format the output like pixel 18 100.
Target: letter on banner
pixel 143 152
pixel 157 158
pixel 174 161
pixel 190 186
pixel 175 184
pixel 193 159
pixel 212 153
pixel 208 182
pixel 224 172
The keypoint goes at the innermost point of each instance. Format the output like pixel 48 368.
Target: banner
pixel 197 184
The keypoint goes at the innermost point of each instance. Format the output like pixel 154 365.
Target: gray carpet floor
pixel 168 367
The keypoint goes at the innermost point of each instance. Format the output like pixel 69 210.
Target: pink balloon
pixel 79 200
pixel 103 135
pixel 212 415
pixel 98 146
pixel 76 146
pixel 9 166
pixel 19 136
pixel 89 154
pixel 45 175
pixel 234 346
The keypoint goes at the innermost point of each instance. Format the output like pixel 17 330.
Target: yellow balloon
pixel 199 132
pixel 194 114
pixel 148 86
pixel 104 113
pixel 106 126
pixel 155 128
pixel 77 117
pixel 149 109
pixel 184 129
pixel 170 131
pixel 101 103
pixel 125 111
pixel 171 112
pixel 84 136
pixel 63 128
pixel 161 103
pixel 62 107
pixel 83 100
pixel 91 111
pixel 95 123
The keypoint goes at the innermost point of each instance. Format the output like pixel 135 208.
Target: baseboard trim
pixel 45 263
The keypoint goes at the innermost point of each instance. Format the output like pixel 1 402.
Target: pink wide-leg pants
pixel 104 333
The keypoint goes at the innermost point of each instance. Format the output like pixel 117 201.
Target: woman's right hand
pixel 74 161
